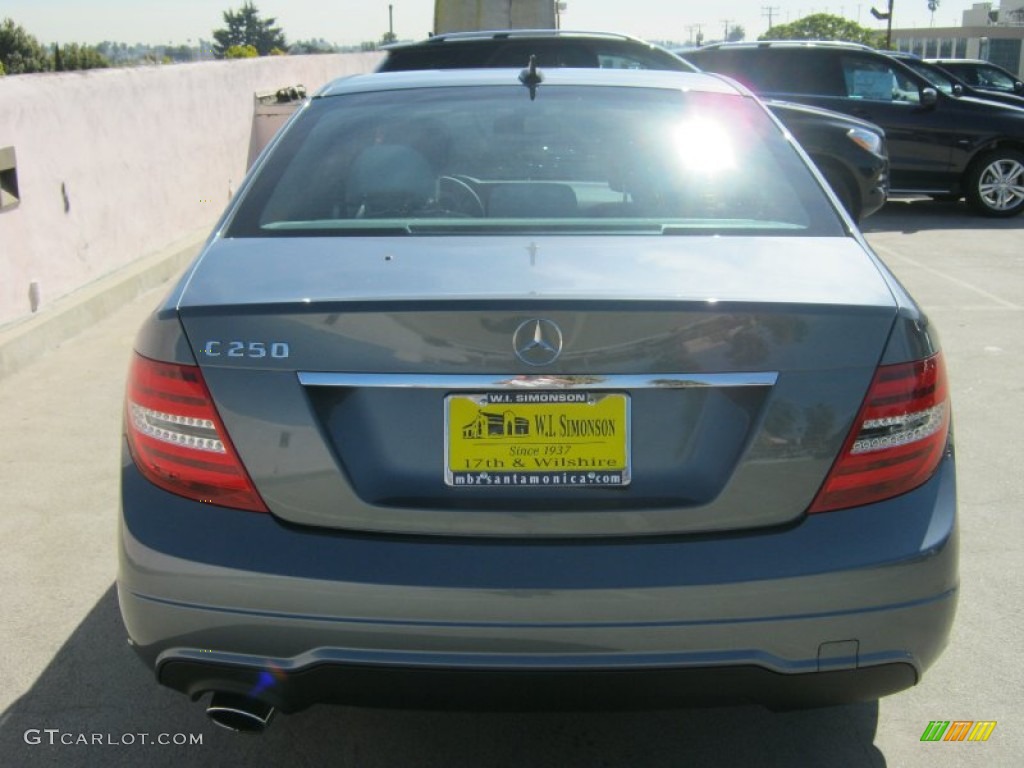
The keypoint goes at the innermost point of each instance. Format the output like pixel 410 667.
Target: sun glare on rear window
pixel 704 146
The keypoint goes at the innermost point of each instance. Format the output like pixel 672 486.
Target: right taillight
pixel 177 438
pixel 898 439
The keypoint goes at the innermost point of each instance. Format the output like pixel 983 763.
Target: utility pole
pixel 769 11
pixel 560 6
pixel 699 39
pixel 887 18
pixel 725 34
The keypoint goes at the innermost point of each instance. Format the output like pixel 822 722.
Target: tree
pixel 736 34
pixel 318 45
pixel 179 53
pixel 245 27
pixel 241 52
pixel 20 52
pixel 74 56
pixel 825 26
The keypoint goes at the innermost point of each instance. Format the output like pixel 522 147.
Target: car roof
pixel 637 78
pixel 960 61
pixel 929 64
pixel 787 44
pixel 510 47
pixel 515 34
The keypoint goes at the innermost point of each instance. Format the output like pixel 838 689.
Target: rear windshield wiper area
pixel 426 227
pixel 734 227
pixel 327 229
pixel 372 228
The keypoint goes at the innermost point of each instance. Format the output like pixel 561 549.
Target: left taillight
pixel 178 441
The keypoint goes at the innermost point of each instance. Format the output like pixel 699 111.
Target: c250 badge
pixel 277 350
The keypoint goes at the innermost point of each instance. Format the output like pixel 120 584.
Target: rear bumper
pixel 844 606
pixel 449 688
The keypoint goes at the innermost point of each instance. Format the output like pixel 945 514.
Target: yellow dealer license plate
pixel 538 439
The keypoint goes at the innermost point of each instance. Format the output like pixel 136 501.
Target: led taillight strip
pixel 199 434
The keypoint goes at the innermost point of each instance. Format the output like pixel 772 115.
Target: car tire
pixel 843 187
pixel 995 183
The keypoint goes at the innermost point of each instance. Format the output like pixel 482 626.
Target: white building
pixel 987 32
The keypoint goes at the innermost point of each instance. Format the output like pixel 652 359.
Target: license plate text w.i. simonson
pixel 537 439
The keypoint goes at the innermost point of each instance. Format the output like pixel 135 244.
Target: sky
pixel 350 22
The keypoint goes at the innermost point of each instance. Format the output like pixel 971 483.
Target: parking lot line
pixel 945 276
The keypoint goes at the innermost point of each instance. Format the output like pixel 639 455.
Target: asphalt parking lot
pixel 67 675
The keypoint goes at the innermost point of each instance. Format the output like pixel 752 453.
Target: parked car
pixel 939 144
pixel 952 85
pixel 534 389
pixel 850 153
pixel 513 48
pixel 981 74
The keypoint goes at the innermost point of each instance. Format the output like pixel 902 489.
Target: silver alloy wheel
pixel 1001 184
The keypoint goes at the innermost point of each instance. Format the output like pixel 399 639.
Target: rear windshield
pixel 575 159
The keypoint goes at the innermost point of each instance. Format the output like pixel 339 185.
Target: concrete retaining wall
pixel 115 165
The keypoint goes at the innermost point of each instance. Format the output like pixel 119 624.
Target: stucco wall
pixel 114 165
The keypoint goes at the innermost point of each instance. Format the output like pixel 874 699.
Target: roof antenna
pixel 530 77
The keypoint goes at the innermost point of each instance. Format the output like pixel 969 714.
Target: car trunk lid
pixel 360 377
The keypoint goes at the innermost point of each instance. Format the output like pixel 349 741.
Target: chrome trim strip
pixel 485 382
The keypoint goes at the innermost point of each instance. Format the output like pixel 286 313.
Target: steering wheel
pixel 458 196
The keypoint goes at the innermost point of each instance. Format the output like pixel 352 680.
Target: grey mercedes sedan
pixel 535 389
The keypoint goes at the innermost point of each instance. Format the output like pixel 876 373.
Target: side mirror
pixel 958 90
pixel 929 97
pixel 1018 86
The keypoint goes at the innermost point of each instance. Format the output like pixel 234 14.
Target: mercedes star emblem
pixel 537 342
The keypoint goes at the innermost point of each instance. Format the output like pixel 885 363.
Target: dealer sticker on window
pixel 538 439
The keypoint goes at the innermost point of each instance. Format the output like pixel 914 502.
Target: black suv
pixel 939 144
pixel 983 75
pixel 951 84
pixel 850 153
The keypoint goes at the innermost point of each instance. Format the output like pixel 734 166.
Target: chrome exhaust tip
pixel 239 713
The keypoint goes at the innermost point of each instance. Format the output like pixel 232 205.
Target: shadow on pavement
pixel 919 214
pixel 95 688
